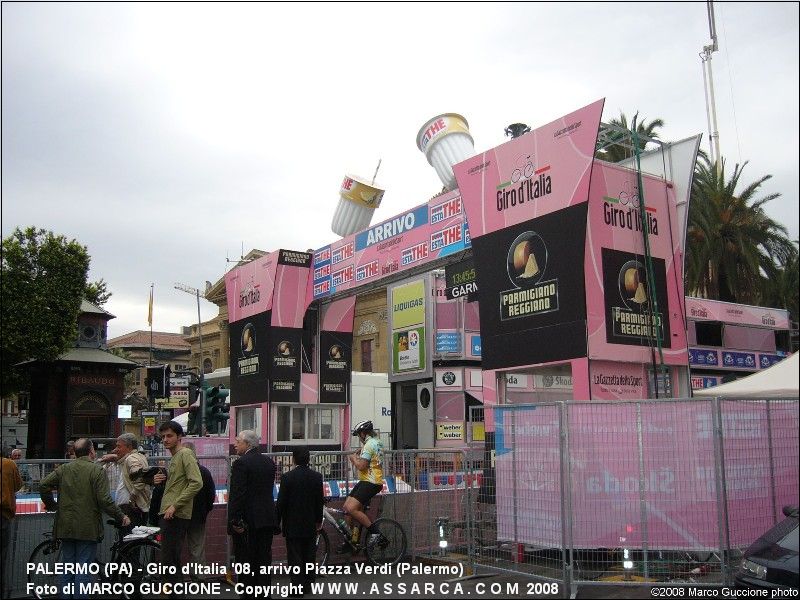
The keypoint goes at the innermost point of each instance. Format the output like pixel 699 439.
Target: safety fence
pixel 421 489
pixel 577 492
pixel 630 492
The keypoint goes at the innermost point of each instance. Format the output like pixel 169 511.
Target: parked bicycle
pixel 134 549
pixel 388 549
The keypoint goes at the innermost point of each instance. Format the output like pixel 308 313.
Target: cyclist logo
pixel 523 168
pixel 629 195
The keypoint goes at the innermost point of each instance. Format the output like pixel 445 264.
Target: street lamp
pixel 193 290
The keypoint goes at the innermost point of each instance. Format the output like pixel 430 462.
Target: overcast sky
pixel 169 137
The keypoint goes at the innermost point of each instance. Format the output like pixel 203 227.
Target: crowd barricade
pixel 573 493
pixel 630 492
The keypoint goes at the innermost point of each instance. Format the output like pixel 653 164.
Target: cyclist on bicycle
pixel 369 463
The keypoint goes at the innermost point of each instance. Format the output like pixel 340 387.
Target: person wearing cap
pixel 368 461
pixel 183 481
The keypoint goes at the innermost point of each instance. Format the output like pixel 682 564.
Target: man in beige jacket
pixel 132 494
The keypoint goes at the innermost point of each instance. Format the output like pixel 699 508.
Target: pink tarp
pixel 679 501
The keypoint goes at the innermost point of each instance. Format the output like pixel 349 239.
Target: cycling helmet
pixel 362 426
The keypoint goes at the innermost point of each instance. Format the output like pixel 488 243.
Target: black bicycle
pixel 133 550
pixel 388 547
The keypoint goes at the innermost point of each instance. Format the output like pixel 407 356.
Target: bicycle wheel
pixel 391 548
pixel 323 548
pixel 138 554
pixel 45 556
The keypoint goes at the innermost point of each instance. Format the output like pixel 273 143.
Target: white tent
pixel 779 381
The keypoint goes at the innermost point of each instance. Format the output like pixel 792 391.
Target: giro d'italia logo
pixel 526 262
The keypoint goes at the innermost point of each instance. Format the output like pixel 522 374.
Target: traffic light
pixel 193 422
pixel 216 410
pixel 158 381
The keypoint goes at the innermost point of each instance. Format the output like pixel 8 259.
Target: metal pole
pixel 714 132
pixel 771 465
pixel 202 428
pixel 720 485
pixel 567 553
pixel 513 438
pixel 642 496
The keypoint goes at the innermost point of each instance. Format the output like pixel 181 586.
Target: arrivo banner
pixel 432 230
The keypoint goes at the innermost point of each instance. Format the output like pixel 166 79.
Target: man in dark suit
pixel 300 512
pixel 251 510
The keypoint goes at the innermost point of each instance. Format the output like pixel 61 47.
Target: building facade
pixel 76 395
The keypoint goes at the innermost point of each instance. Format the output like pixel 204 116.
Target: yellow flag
pixel 150 308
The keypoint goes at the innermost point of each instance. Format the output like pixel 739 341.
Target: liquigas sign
pixel 407 303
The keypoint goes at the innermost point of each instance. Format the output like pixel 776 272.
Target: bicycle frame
pixel 330 514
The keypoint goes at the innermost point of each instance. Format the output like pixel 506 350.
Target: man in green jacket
pixel 183 482
pixel 82 498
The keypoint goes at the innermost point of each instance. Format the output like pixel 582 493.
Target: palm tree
pixel 619 144
pixel 732 245
pixel 781 285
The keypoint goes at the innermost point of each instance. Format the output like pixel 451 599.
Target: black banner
pixel 284 352
pixel 294 259
pixel 249 359
pixel 532 290
pixel 461 280
pixel 284 390
pixel 630 318
pixel 335 352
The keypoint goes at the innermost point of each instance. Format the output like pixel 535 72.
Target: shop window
pixel 90 416
pixel 447 315
pixel 783 341
pixel 709 333
pixel 366 356
pixel 749 338
pixel 248 417
pixel 306 424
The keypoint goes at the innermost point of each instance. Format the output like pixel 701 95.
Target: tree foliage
pixel 97 292
pixel 43 283
pixel 733 247
pixel 623 148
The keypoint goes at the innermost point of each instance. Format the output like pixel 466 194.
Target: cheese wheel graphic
pixel 531 268
pixel 632 280
pixel 640 297
pixel 521 255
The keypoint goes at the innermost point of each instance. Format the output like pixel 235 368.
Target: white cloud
pixel 169 136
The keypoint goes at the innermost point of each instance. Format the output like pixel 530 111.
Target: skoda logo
pixel 449 378
pixel 547 380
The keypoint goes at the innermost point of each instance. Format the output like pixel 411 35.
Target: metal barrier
pixel 629 492
pixel 602 492
pixel 32 521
